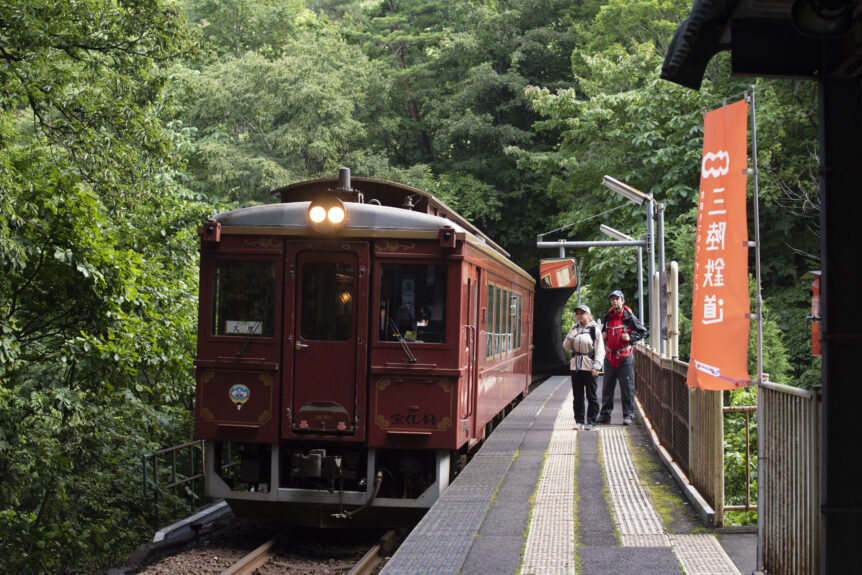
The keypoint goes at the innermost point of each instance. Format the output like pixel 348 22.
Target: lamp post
pixel 618 235
pixel 646 200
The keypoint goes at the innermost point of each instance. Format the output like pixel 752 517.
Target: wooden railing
pixel 706 446
pixel 670 406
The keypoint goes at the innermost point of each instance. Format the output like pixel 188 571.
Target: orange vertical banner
pixel 719 326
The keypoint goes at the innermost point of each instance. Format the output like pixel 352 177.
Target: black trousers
pixel 584 382
pixel 625 373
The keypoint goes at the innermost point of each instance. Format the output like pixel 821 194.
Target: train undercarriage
pixel 328 485
pixel 333 484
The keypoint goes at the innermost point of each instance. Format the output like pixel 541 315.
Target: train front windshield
pixel 412 303
pixel 244 298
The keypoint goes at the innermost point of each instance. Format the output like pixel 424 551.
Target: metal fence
pixel 690 426
pixel 175 474
pixel 744 412
pixel 791 479
pixel 662 392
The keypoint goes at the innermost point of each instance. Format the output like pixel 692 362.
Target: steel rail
pixel 366 565
pixel 256 558
pixel 262 555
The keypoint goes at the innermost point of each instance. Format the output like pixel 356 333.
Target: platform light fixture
pixel 626 191
pixel 646 200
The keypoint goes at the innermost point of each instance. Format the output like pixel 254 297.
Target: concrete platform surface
pixel 540 498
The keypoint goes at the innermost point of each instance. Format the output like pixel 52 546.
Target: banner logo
pixel 720 162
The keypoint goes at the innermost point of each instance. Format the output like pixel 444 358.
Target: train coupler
pixel 315 465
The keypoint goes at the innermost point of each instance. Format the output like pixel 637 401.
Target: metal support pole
pixel 650 210
pixel 662 293
pixel 654 295
pixel 673 304
pixel 640 283
pixel 591 244
pixel 759 303
pixel 660 234
pixel 580 267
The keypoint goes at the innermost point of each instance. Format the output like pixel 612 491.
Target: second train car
pixel 356 342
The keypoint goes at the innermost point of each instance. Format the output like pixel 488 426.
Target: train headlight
pixel 327 215
pixel 317 214
pixel 335 214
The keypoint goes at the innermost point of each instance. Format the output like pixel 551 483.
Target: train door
pixel 324 387
pixel 471 348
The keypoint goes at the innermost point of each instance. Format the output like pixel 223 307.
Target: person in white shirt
pixel 585 342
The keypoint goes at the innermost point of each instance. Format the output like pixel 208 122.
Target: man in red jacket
pixel 620 329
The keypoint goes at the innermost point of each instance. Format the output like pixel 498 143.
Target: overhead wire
pixel 581 221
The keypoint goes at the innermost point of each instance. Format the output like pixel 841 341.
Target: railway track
pixel 264 553
pixel 242 546
pixel 256 558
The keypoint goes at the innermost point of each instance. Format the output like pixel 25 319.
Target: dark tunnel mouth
pixel 548 355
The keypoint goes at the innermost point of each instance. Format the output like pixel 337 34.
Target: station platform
pixel 540 498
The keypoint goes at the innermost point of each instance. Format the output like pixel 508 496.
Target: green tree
pixel 264 123
pixel 621 119
pixel 234 27
pixel 494 52
pixel 404 38
pixel 97 249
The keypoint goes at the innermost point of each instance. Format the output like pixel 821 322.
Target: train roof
pixel 388 193
pixel 363 220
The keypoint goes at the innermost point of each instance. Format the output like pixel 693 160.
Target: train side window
pixel 244 298
pixel 497 323
pixel 513 319
pixel 518 321
pixel 413 302
pixel 507 311
pixel 489 328
pixel 501 330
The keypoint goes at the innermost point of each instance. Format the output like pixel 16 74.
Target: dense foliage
pixel 98 257
pixel 125 123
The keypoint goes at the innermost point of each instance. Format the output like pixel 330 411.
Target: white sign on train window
pixel 243 327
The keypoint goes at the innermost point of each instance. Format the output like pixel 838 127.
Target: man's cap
pixel 617 293
pixel 583 307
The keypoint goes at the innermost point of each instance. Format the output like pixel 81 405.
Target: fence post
pixel 718 455
pixel 155 492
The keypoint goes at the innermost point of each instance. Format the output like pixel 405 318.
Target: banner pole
pixel 761 458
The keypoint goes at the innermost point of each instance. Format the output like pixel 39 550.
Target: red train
pixel 354 346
